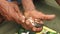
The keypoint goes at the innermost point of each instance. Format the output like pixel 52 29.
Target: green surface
pixel 49 7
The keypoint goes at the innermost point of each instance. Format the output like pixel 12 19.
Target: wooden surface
pixel 50 7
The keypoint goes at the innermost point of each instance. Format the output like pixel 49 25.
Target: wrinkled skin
pixel 30 11
pixel 10 11
pixel 39 15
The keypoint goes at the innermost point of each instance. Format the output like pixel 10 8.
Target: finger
pixel 48 17
pixel 25 26
pixel 41 22
pixel 37 29
pixel 28 23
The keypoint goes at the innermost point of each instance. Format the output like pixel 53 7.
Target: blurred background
pixel 45 6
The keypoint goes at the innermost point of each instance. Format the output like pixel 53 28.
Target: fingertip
pixel 49 17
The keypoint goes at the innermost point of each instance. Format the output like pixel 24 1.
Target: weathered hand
pixel 37 15
pixel 35 25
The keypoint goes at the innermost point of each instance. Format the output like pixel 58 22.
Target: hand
pixel 37 15
pixel 35 25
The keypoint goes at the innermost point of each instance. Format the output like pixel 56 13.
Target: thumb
pixel 48 17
